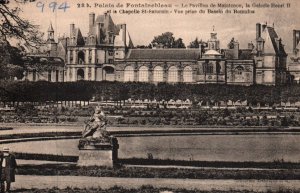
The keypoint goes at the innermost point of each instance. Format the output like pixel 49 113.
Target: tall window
pixel 80 57
pixel 71 56
pixel 158 74
pixel 49 75
pixel 143 74
pixel 128 74
pixel 208 68
pixel 56 75
pixel 188 74
pixel 173 74
pixel 90 56
pixel 34 75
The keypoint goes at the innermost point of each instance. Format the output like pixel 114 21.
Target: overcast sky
pixel 143 27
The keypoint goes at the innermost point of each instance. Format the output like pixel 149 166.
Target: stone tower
pixel 213 42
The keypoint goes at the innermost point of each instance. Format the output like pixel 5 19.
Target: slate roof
pixel 63 42
pixel 78 37
pixel 108 23
pixel 163 54
pixel 278 47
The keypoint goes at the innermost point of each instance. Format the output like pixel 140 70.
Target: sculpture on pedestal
pixel 95 130
pixel 96 146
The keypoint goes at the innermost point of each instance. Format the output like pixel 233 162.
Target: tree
pixel 179 43
pixel 11 62
pixel 17 29
pixel 167 40
pixel 12 26
pixel 195 44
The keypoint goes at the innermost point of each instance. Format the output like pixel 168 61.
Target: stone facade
pixel 270 58
pixel 92 57
pixel 106 53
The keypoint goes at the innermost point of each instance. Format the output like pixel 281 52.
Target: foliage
pixel 117 91
pixel 140 172
pixel 167 40
pixel 142 189
pixel 46 157
pixel 11 63
pixel 195 44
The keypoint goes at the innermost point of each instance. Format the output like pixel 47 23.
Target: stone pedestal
pixel 98 153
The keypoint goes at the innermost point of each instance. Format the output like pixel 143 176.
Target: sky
pixel 143 27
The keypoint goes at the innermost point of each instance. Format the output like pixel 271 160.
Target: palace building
pixel 89 57
pixel 106 52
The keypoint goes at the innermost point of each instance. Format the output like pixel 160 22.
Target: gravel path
pixel 42 182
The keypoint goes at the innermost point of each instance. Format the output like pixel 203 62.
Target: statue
pixel 96 146
pixel 95 132
pixel 96 126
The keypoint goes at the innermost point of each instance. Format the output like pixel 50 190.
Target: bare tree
pixel 12 26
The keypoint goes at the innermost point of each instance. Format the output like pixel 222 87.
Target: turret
pixel 50 33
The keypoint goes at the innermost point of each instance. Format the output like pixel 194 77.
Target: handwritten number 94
pixel 53 6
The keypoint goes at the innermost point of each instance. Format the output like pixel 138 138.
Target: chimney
pixel 258 30
pixel 98 32
pixel 123 26
pixel 72 28
pixel 91 21
pixel 236 49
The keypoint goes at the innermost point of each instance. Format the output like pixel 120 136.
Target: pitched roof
pixel 50 29
pixel 163 54
pixel 79 40
pixel 63 42
pixel 108 23
pixel 276 44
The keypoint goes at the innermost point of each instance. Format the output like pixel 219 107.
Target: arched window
pixel 108 73
pixel 173 74
pixel 128 74
pixel 80 74
pixel 239 73
pixel 188 74
pixel 158 74
pixel 143 74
